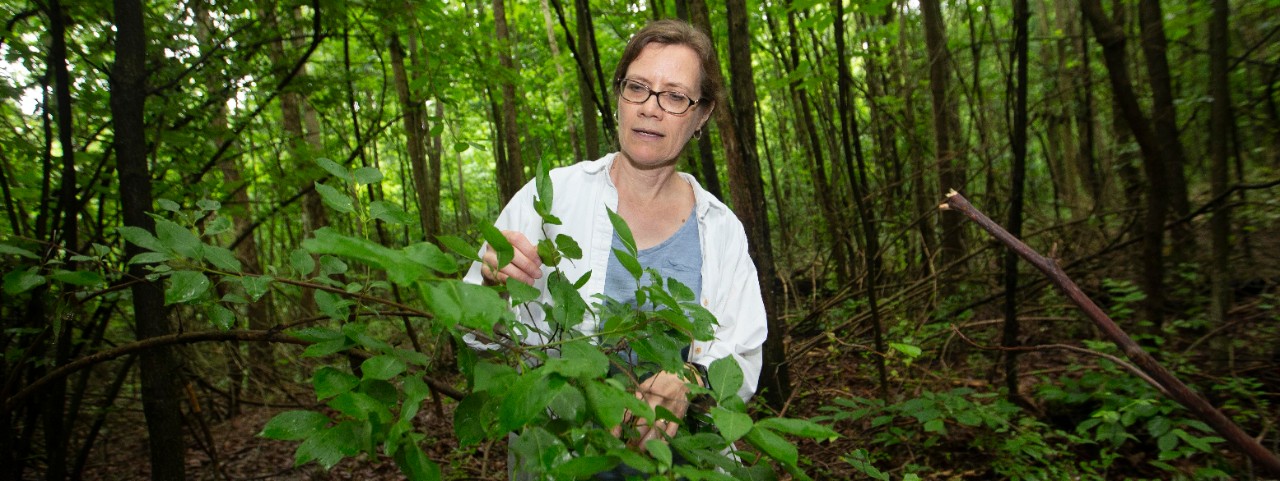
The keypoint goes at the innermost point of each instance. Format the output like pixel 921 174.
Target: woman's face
pixel 648 135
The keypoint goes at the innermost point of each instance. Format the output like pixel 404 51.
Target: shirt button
pixel 697 350
pixel 706 303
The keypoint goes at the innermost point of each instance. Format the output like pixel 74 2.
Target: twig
pixel 1175 387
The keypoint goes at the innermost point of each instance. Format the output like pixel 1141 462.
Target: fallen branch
pixel 1177 390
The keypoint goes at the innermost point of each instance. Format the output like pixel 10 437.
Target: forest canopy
pixel 233 235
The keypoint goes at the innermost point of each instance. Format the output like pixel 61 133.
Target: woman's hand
pixel 525 265
pixel 663 389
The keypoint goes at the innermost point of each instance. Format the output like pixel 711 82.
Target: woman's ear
pixel 706 115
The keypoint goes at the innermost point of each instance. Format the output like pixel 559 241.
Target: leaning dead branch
pixel 1164 379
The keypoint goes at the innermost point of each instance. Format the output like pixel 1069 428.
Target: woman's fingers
pixel 525 265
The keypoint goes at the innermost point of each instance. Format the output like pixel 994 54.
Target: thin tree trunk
pixel 54 400
pixel 160 371
pixel 511 168
pixel 415 145
pixel 1112 40
pixel 945 125
pixel 1164 116
pixel 1219 133
pixel 1016 179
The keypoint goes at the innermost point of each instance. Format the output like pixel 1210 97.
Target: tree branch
pixel 1175 387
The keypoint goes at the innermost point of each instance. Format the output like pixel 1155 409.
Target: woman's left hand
pixel 663 389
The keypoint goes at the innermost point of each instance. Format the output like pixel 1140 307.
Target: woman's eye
pixel 635 87
pixel 677 97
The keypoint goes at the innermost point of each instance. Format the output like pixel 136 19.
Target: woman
pixel 664 97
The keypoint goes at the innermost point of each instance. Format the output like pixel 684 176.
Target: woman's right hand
pixel 525 265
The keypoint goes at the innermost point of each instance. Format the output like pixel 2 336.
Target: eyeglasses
pixel 672 102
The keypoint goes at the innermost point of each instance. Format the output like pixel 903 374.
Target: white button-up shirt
pixel 730 289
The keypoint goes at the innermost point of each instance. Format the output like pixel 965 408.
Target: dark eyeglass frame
pixel 622 89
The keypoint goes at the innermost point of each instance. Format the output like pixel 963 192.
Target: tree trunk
pixel 415 144
pixel 53 402
pixel 511 171
pixel 1016 181
pixel 160 372
pixel 1112 40
pixel 737 134
pixel 1164 116
pixel 945 126
pixel 1219 133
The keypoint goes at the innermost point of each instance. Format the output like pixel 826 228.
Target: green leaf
pixel 911 351
pixel 400 270
pixel 624 233
pixel 520 293
pixel 492 377
pixel 329 446
pixel 149 258
pixel 432 257
pixel 294 425
pixel 661 452
pixel 334 199
pixel 546 192
pixel 325 348
pixel 333 168
pixel 141 238
pixel 185 286
pixel 732 425
pixel 179 239
pixel 608 402
pixel 528 398
pixel 221 258
pixel 773 445
pixel 329 382
pixel 382 367
pixel 459 247
pixel 390 213
pixel 78 278
pixel 333 305
pixel 368 175
pixel 256 286
pixel 538 450
pixel 415 464
pixel 222 318
pixel 584 467
pixel 456 302
pixel 568 247
pixel 579 359
pixel 316 334
pixel 17 282
pixel 217 226
pixel 460 147
pixel 168 205
pixel 208 205
pixel 11 250
pixel 301 262
pixel 800 427
pixel 630 263
pixel 725 377
pixel 499 244
pixel 471 419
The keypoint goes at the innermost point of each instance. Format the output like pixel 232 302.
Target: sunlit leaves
pixel 335 199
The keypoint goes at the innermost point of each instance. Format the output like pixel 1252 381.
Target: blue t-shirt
pixel 679 257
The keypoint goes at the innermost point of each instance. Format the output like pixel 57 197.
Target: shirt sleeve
pixel 739 311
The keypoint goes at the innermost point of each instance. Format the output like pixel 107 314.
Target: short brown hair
pixel 675 32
